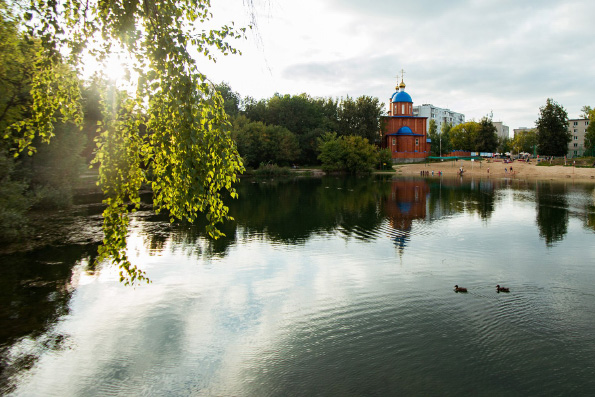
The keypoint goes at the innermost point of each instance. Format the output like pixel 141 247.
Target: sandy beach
pixel 496 169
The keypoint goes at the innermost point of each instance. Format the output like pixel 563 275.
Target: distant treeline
pixel 285 129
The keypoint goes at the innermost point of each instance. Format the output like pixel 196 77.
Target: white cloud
pixel 473 56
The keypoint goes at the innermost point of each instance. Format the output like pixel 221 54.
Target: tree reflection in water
pixel 36 286
pixel 35 291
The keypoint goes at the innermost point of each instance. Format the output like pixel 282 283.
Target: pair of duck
pixel 498 289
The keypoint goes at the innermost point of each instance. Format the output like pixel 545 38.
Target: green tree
pixel 590 134
pixel 553 136
pixel 17 58
pixel 260 143
pixel 352 154
pixel 445 138
pixel 434 138
pixel 173 133
pixel 464 136
pixel 524 141
pixel 361 117
pixel 231 99
pixel 504 144
pixel 486 139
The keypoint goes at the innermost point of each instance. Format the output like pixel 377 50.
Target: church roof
pixel 401 96
pixel 405 131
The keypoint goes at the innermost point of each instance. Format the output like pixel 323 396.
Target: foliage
pixel 552 129
pixel 446 141
pixel 352 154
pixel 464 136
pixel 13 201
pixel 17 57
pixel 361 117
pixel 434 137
pixel 504 144
pixel 231 100
pixel 525 141
pixel 308 118
pixel 590 133
pixel 55 168
pixel 385 159
pixel 487 136
pixel 173 133
pixel 259 143
pixel 271 170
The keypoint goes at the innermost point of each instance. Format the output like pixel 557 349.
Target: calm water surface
pixel 328 286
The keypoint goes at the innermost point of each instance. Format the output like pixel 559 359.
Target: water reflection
pixel 407 202
pixel 303 294
pixel 35 292
pixel 552 212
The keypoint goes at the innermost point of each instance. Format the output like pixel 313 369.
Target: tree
pixel 434 138
pixel 553 136
pixel 172 133
pixel 590 134
pixel 464 136
pixel 352 154
pixel 486 139
pixel 504 144
pixel 231 99
pixel 260 143
pixel 525 141
pixel 361 117
pixel 445 138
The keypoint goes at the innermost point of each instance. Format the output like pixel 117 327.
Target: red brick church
pixel 405 134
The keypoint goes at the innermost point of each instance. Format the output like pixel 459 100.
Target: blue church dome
pixel 405 131
pixel 401 96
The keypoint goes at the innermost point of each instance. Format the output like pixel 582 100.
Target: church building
pixel 405 134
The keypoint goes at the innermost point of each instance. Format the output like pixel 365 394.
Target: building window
pixel 416 141
pixel 575 138
pixel 576 145
pixel 576 123
pixel 403 109
pixel 575 130
pixel 394 141
pixel 575 153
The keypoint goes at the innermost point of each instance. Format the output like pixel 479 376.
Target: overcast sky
pixel 473 57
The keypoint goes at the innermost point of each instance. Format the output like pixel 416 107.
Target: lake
pixel 323 286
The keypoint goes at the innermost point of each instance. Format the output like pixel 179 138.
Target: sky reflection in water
pixel 340 286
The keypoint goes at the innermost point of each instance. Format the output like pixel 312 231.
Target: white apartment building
pixel 502 130
pixel 439 115
pixel 578 130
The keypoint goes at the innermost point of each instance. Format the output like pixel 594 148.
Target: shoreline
pixel 520 170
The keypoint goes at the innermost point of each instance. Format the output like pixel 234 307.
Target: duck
pixel 460 289
pixel 502 289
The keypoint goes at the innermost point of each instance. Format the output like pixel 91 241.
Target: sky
pixel 476 57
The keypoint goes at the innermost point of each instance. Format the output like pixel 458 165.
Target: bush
pixel 14 204
pixel 352 154
pixel 271 170
pixel 385 159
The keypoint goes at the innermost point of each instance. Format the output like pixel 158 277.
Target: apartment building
pixel 578 130
pixel 439 115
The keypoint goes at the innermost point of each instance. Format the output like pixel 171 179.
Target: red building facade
pixel 405 135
